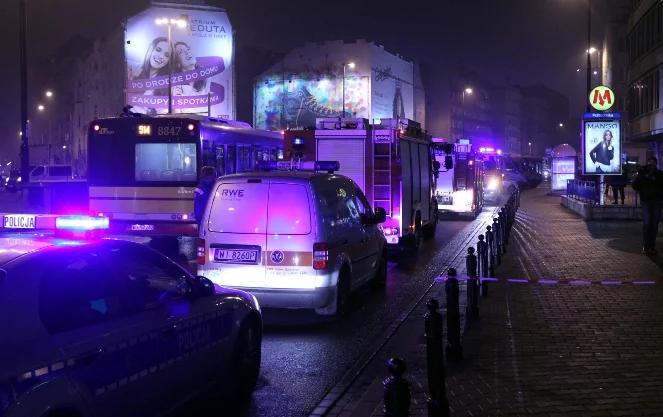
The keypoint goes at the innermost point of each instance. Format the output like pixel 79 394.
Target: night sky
pixel 519 41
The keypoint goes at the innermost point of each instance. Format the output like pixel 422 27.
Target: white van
pixel 53 173
pixel 295 240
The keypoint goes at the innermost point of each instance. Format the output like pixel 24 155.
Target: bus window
pixel 230 165
pixel 244 159
pixel 167 162
pixel 208 153
pixel 220 160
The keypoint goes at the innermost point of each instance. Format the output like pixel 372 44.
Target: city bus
pixel 142 171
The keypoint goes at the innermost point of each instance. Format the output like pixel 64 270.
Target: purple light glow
pixel 644 282
pixel 81 223
pixel 580 282
pixel 611 282
pixel 518 280
pixel 548 281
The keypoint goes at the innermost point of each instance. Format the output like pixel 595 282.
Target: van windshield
pixel 243 208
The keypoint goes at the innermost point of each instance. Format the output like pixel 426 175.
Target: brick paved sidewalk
pixel 547 349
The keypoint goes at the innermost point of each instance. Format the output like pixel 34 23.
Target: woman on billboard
pixel 603 153
pixel 185 61
pixel 155 64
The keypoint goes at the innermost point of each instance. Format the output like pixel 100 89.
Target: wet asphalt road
pixel 304 357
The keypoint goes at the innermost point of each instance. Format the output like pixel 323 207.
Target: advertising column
pixel 601 138
pixel 196 55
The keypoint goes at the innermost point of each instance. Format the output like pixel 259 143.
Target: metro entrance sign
pixel 601 98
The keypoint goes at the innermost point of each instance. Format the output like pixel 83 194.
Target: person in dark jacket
pixel 649 184
pixel 603 153
pixel 203 191
pixel 618 182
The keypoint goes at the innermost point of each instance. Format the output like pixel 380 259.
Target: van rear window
pixel 243 208
pixel 239 208
pixel 289 211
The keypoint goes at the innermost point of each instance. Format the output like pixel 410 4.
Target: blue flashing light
pixel 267 165
pixel 81 223
pixel 299 141
pixel 329 166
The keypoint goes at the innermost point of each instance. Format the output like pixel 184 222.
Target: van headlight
pixel 493 184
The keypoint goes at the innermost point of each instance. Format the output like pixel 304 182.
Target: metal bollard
pixel 472 308
pixel 438 404
pixel 502 217
pixel 454 349
pixel 482 252
pixel 396 390
pixel 490 239
pixel 497 239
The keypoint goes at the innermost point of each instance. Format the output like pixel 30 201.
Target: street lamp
pixel 529 145
pixel 468 91
pixel 350 65
pixel 40 107
pixel 180 23
pixel 590 51
pixel 561 124
pixel 48 93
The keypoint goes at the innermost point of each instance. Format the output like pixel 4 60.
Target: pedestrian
pixel 618 182
pixel 203 191
pixel 649 184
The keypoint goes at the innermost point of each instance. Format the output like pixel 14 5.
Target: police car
pixel 105 327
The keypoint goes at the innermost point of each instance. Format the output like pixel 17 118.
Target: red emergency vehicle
pixel 459 185
pixel 392 162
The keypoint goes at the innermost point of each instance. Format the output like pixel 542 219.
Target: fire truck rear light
pixel 320 255
pixel 201 253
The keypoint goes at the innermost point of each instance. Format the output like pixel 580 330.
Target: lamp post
pixel 350 65
pixel 169 23
pixel 529 145
pixel 590 51
pixel 468 91
pixel 589 58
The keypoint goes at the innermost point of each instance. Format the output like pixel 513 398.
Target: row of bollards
pixel 479 264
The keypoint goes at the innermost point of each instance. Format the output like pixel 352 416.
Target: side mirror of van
pixel 380 215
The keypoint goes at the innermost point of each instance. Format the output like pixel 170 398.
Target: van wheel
pixel 246 358
pixel 380 279
pixel 343 293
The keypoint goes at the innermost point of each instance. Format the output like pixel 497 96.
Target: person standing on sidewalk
pixel 618 182
pixel 203 191
pixel 649 184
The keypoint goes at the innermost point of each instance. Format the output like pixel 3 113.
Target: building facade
pixel 645 68
pixel 358 79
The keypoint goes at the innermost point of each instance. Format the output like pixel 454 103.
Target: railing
pixel 588 191
pixel 582 190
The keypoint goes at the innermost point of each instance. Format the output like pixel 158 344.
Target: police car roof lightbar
pixel 81 223
pixel 329 166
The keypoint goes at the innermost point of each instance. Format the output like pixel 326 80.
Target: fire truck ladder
pixel 382 164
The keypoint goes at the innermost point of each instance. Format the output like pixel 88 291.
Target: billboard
pixel 602 147
pixel 392 89
pixel 196 56
pixel 296 102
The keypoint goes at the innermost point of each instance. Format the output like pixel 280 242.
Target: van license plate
pixel 236 256
pixel 18 221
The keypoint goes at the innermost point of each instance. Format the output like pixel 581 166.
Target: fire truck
pixel 459 187
pixel 392 162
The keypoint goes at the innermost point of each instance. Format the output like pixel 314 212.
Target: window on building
pixel 643 95
pixel 647 34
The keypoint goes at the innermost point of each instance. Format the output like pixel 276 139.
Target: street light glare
pixel 591 50
pixel 40 107
pixel 49 93
pixel 468 90
pixel 351 65
pixel 561 124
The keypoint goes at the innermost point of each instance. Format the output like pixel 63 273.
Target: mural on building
pixel 197 57
pixel 296 102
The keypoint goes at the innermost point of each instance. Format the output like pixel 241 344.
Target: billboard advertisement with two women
pixel 192 46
